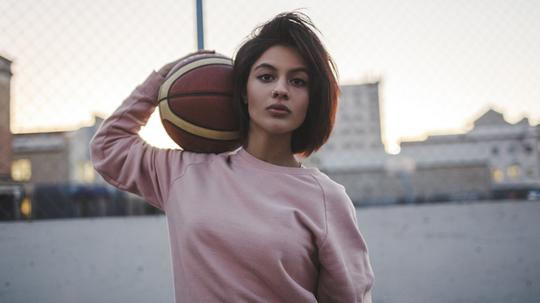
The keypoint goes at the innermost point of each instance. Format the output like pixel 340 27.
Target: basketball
pixel 196 104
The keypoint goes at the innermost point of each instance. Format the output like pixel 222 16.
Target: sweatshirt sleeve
pixel 345 269
pixel 125 160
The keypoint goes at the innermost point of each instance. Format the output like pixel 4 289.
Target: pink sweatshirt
pixel 241 229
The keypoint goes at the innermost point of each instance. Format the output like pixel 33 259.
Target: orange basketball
pixel 196 104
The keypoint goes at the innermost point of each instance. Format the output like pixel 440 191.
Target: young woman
pixel 252 225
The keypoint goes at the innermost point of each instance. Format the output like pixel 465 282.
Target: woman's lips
pixel 278 112
pixel 278 109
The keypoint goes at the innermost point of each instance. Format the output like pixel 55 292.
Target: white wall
pixel 486 252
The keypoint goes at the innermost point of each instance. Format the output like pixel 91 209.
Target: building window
pixel 26 207
pixel 528 148
pixel 21 170
pixel 513 171
pixel 497 175
pixel 495 150
pixel 86 172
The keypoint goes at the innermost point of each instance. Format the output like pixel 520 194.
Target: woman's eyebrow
pixel 269 66
pixel 265 65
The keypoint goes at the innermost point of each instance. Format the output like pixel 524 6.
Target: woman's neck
pixel 271 149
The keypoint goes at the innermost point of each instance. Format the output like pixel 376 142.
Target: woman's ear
pixel 244 98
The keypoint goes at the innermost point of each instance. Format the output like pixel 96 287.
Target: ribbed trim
pixel 253 161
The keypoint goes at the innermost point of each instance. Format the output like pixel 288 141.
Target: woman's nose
pixel 280 91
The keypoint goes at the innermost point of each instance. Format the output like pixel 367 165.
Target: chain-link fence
pixel 448 69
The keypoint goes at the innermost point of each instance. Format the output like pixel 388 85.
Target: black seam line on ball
pixel 195 94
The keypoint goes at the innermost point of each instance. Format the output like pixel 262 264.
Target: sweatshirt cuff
pixel 150 86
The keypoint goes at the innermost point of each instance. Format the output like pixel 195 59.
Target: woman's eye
pixel 298 82
pixel 266 77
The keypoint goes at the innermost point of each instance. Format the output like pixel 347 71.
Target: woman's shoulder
pixel 334 192
pixel 328 183
pixel 337 203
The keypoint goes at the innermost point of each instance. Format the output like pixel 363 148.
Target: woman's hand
pixel 164 71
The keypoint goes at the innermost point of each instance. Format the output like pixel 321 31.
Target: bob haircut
pixel 292 29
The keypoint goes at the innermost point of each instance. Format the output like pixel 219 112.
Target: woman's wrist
pixel 164 71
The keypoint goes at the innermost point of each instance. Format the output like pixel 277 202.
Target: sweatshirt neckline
pixel 258 163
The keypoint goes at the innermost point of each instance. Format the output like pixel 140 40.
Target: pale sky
pixel 441 63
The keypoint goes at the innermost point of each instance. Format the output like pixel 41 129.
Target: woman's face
pixel 277 91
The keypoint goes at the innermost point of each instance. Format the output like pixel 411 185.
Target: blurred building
pixel 356 138
pixel 492 160
pixel 41 157
pixel 11 193
pixel 51 168
pixel 403 181
pixel 54 157
pixel 511 152
pixel 5 107
pixel 59 178
pixel 50 175
pixel 495 159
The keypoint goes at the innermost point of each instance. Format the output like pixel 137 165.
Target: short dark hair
pixel 293 29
